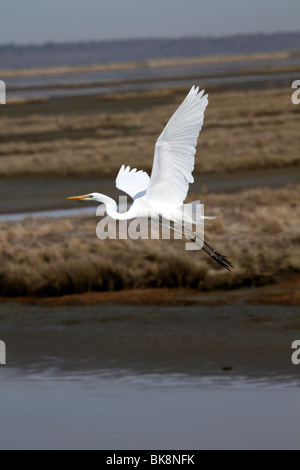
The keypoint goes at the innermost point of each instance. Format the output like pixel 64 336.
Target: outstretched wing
pixel 132 182
pixel 175 149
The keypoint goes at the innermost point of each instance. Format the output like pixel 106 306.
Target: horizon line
pixel 130 39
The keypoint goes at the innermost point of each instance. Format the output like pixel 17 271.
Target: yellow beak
pixel 78 197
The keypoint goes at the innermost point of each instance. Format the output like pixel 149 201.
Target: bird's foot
pixel 222 260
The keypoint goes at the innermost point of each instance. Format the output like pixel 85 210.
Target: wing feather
pixel 174 156
pixel 132 182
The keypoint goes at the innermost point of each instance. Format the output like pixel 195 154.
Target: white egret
pixel 163 195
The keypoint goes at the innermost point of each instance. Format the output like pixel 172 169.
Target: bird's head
pixel 86 197
pixel 97 197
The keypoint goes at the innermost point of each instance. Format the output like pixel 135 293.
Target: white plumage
pixel 164 193
pixel 174 157
pixel 132 182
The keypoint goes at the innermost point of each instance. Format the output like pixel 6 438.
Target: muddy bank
pixel 281 293
pixel 199 340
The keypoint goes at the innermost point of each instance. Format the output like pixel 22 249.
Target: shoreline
pixel 278 293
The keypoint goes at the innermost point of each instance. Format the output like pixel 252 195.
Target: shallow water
pixel 147 412
pixel 149 377
pixel 261 80
pixel 65 79
pixel 144 78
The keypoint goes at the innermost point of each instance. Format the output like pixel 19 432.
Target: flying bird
pixel 162 196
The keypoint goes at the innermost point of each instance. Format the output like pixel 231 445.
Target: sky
pixel 40 21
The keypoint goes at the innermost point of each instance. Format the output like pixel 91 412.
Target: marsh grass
pixel 242 131
pixel 258 230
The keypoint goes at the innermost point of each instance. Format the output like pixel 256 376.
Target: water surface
pixel 149 377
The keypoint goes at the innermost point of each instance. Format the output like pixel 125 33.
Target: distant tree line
pixel 84 53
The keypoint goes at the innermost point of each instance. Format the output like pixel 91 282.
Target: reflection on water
pixel 147 412
pixel 149 377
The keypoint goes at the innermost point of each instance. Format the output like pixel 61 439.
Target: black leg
pixel 221 259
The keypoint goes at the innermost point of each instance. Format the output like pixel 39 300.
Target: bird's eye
pixel 90 196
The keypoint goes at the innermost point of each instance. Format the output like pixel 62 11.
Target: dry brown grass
pixel 258 231
pixel 242 131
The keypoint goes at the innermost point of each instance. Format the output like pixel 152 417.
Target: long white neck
pixel 111 207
